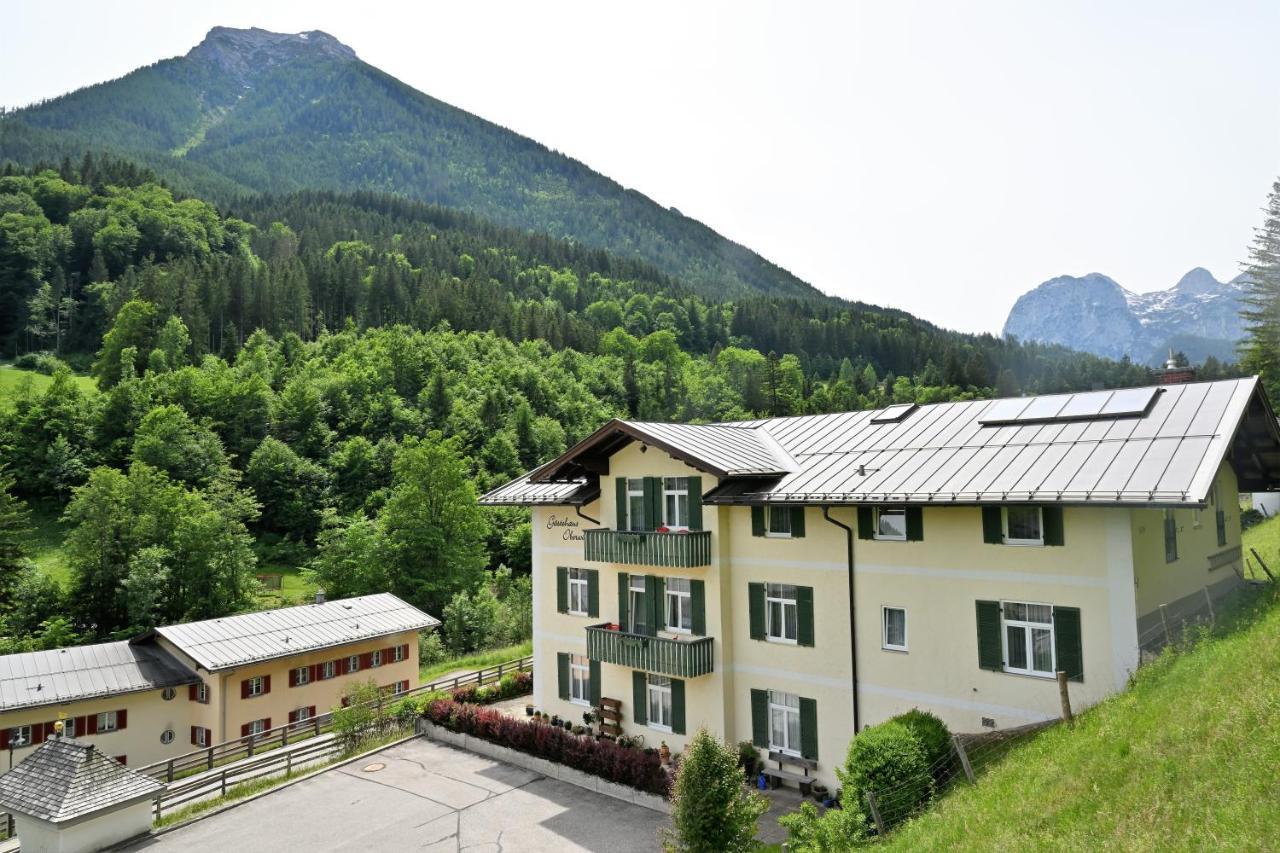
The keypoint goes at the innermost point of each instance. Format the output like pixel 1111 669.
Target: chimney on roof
pixel 319 596
pixel 1174 373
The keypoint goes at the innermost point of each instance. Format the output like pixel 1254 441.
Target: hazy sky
pixel 939 157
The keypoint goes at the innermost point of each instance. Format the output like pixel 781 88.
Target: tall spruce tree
pixel 1261 349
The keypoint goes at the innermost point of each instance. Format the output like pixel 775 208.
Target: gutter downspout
pixel 853 624
pixel 578 511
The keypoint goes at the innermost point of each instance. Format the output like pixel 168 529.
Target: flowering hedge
pixel 630 766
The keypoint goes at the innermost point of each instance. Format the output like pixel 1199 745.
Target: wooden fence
pixel 250 746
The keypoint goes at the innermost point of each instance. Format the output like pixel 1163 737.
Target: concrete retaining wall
pixel 547 768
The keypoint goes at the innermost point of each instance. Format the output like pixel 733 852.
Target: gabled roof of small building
pixel 1157 445
pixel 33 679
pixel 235 640
pixel 66 780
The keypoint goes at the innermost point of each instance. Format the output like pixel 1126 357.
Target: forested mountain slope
pixel 252 111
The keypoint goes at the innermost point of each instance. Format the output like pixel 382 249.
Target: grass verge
pixel 1265 539
pixel 1182 759
pixel 479 660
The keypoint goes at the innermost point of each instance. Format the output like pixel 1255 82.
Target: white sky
pixel 939 157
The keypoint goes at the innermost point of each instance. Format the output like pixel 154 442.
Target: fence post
pixel 288 764
pixel 169 771
pixel 211 756
pixel 875 813
pixel 1208 599
pixel 1263 563
pixel 251 737
pixel 159 805
pixel 284 736
pixel 317 725
pixel 224 782
pixel 1065 697
pixel 499 672
pixel 1165 621
pixel 964 756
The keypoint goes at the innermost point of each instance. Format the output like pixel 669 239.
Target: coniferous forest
pixel 328 381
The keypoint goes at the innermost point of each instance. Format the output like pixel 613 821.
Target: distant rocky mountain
pixel 1199 316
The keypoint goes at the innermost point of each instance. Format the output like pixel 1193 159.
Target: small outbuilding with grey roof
pixel 68 797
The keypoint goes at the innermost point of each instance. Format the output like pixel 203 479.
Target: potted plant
pixel 568 725
pixel 555 720
pixel 819 791
pixel 528 709
pixel 748 759
pixel 664 753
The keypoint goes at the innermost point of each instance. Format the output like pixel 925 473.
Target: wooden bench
pixel 777 774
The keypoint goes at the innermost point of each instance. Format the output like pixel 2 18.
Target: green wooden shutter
pixel 677 706
pixel 760 718
pixel 654 599
pixel 593 592
pixel 695 503
pixel 757 521
pixel 866 522
pixel 1067 640
pixel 804 615
pixel 562 589
pixel 620 523
pixel 990 651
pixel 809 728
pixel 698 598
pixel 992 527
pixel 624 589
pixel 755 610
pixel 915 524
pixel 1052 518
pixel 652 502
pixel 562 673
pixel 639 697
pixel 595 683
pixel 797 522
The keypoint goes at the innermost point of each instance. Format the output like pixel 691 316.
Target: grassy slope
pixel 1185 759
pixel 12 380
pixel 479 660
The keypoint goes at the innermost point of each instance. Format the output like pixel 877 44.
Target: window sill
pixel 1039 676
pixel 777 536
pixel 899 649
pixel 888 538
pixel 583 702
pixel 780 641
pixel 660 728
pixel 1024 543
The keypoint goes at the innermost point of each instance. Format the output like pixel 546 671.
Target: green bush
pixel 835 831
pixel 431 649
pixel 711 811
pixel 889 760
pixel 934 738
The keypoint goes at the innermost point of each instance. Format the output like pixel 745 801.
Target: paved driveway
pixel 426 797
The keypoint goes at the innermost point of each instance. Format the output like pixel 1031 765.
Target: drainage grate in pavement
pixel 374 767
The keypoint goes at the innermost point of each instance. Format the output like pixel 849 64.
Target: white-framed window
pixel 578 592
pixel 659 689
pixel 302 675
pixel 784 722
pixel 399 687
pixel 353 663
pixel 107 722
pixel 254 686
pixel 675 502
pixel 894 634
pixel 1023 525
pixel 20 736
pixel 679 605
pixel 781 615
pixel 579 679
pixel 777 521
pixel 69 727
pixel 1028 638
pixel 257 727
pixel 302 714
pixel 168 693
pixel 635 503
pixel 398 653
pixel 891 524
pixel 202 736
pixel 166 737
pixel 328 670
pixel 375 657
pixel 202 693
pixel 635 603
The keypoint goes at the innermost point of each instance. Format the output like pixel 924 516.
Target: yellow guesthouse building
pixel 182 687
pixel 790 581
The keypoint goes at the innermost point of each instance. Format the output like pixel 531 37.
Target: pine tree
pixel 13 532
pixel 1261 350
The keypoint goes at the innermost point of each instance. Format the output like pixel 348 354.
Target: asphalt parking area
pixel 424 796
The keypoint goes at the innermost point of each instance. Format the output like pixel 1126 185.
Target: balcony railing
pixel 648 548
pixel 681 658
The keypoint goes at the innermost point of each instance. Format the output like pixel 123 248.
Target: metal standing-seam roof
pixel 65 780
pixel 33 679
pixel 1159 445
pixel 235 640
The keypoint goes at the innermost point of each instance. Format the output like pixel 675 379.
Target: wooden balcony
pixel 683 658
pixel 648 548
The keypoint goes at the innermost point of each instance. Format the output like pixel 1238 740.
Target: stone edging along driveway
pixel 547 768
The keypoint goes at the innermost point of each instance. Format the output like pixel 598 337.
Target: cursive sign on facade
pixel 570 526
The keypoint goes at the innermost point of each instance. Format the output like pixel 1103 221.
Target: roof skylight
pixel 894 413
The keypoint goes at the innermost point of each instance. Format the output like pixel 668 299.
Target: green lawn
pixel 45 541
pixel 13 380
pixel 1185 759
pixel 1265 539
pixel 479 660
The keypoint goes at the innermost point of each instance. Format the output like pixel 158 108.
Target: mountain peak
pixel 244 53
pixel 1198 280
